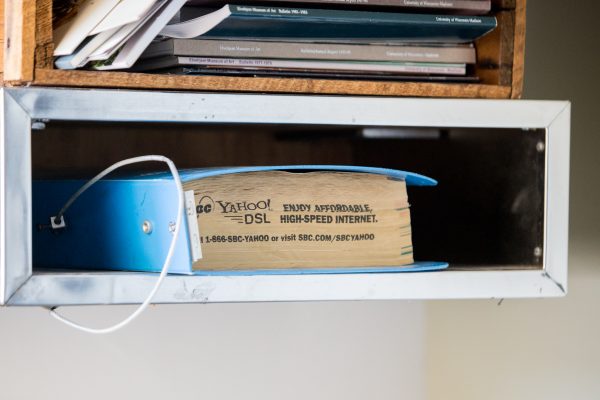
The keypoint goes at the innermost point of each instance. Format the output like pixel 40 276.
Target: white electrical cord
pixel 59 218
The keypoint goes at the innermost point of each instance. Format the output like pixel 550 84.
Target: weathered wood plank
pixel 505 47
pixel 504 4
pixel 19 44
pixel 495 52
pixel 2 38
pixel 519 50
pixel 44 46
pixel 47 77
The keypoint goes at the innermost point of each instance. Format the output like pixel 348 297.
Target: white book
pixel 115 41
pixel 134 47
pixel 196 26
pixel 70 35
pixel 126 12
pixel 80 55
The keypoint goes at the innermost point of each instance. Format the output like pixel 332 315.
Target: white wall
pixel 539 349
pixel 349 350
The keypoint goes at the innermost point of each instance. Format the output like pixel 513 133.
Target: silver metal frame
pixel 26 107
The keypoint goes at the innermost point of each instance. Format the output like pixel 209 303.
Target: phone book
pixel 243 220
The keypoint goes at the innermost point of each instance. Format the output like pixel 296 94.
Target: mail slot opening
pixel 486 212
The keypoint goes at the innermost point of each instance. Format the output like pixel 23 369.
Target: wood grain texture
pixel 495 52
pixel 19 44
pixel 47 77
pixel 44 46
pixel 2 40
pixel 69 149
pixel 505 47
pixel 504 4
pixel 519 50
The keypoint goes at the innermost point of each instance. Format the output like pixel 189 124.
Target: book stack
pixel 370 39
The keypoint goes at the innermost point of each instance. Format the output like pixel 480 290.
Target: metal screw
pixel 172 227
pixel 147 227
pixel 38 125
pixel 540 147
pixel 537 252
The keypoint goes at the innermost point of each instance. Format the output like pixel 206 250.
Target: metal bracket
pixel 54 224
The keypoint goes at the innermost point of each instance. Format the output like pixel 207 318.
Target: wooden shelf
pixel 28 61
pixel 49 77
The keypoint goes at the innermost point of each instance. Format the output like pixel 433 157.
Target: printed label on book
pixel 283 220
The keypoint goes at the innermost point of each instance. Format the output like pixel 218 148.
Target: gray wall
pixel 545 349
pixel 539 349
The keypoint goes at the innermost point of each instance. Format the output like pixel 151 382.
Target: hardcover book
pixel 191 70
pixel 364 67
pixel 319 25
pixel 309 51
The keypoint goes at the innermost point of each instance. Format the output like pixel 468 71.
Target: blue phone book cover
pixel 104 225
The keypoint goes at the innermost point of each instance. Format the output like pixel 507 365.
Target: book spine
pixel 351 16
pixel 414 68
pixel 315 51
pixel 200 70
pixel 343 26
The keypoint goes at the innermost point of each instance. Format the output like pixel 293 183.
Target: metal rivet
pixel 38 126
pixel 540 147
pixel 147 227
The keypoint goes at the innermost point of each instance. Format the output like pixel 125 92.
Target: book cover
pixel 320 25
pixel 138 37
pixel 215 71
pixel 467 7
pixel 71 34
pixel 105 226
pixel 125 12
pixel 307 65
pixel 309 51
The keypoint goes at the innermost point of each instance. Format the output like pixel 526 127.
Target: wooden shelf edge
pixel 518 71
pixel 93 79
pixel 18 34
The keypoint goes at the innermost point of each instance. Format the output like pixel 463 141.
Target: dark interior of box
pixel 486 212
